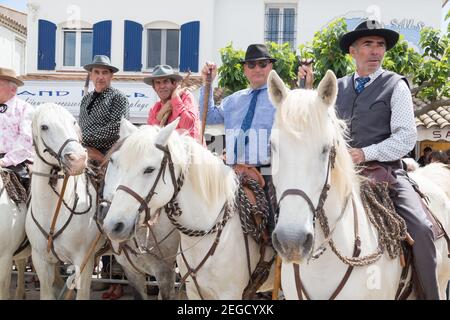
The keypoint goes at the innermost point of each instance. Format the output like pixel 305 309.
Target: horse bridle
pixel 56 155
pixel 323 193
pixel 177 183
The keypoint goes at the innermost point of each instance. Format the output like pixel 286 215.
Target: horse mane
pixel 210 177
pixel 305 117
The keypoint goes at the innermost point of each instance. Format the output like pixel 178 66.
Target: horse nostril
pixel 307 244
pixel 118 227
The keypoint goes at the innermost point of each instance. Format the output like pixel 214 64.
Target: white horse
pixel 306 130
pixel 58 150
pixel 12 233
pixel 136 262
pixel 209 187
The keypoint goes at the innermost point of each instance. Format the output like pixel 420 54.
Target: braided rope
pixel 381 213
pixel 13 187
pixel 249 211
pixel 173 210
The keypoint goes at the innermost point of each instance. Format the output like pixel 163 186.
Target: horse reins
pixel 53 176
pixel 166 161
pixel 323 194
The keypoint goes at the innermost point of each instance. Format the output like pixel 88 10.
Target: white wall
pixel 237 21
pixel 12 51
pixel 141 11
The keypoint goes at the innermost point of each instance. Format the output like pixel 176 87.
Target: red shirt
pixel 186 108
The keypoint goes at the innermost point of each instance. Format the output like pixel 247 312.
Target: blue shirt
pixel 231 113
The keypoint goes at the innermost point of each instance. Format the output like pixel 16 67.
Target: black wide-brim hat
pixel 257 52
pixel 365 29
pixel 101 61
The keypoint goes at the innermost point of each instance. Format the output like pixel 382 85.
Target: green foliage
pixel 435 68
pixel 286 64
pixel 402 59
pixel 326 52
pixel 231 72
pixel 447 17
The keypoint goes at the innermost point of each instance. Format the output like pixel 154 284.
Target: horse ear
pixel 277 88
pixel 126 128
pixel 164 134
pixel 327 90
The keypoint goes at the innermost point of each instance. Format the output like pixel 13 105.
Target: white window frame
pixel 281 6
pixel 22 62
pixel 164 26
pixel 78 27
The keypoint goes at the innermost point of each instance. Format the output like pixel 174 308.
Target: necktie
pixel 247 122
pixel 360 83
pixel 3 108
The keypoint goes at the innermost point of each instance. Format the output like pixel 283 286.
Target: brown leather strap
pixel 125 249
pixel 404 294
pixel 297 192
pixel 298 283
pixel 356 252
pixel 46 235
pixel 193 272
pixel 137 197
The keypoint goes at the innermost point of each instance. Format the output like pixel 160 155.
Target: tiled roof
pixel 435 119
pixel 14 20
pixel 439 118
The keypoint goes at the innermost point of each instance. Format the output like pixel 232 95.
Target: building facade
pixel 139 34
pixel 13 35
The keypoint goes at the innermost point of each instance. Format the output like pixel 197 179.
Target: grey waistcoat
pixel 368 114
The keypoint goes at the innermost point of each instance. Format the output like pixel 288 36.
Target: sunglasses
pixel 261 64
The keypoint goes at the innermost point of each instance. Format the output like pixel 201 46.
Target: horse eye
pixel 44 127
pixel 326 149
pixel 149 170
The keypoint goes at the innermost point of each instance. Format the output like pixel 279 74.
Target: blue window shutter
pixel 132 46
pixel 46 45
pixel 102 38
pixel 190 41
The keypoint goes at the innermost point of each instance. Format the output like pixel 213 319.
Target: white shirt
pixel 403 126
pixel 16 140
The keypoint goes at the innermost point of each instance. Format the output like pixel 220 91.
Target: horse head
pixel 57 139
pixel 304 142
pixel 144 178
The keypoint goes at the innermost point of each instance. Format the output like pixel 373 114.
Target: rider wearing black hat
pixel 378 108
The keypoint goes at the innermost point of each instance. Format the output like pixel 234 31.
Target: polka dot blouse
pixel 100 115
